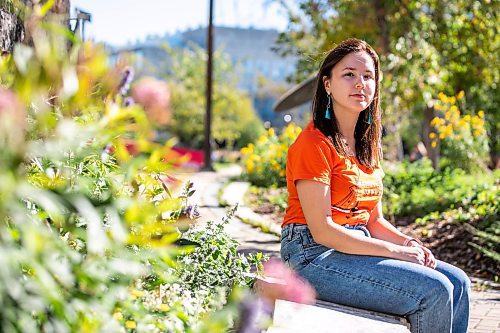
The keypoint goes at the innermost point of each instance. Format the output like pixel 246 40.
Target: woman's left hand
pixel 430 260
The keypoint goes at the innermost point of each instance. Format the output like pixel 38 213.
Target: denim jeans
pixel 433 300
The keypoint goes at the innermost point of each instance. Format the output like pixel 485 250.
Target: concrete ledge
pixel 327 317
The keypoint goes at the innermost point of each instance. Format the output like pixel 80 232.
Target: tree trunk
pixel 380 13
pixel 12 29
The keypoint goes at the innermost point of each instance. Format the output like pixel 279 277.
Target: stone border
pixel 233 193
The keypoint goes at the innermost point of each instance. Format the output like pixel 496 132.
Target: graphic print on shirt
pixel 364 188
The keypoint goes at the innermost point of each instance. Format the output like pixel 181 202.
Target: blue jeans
pixel 433 300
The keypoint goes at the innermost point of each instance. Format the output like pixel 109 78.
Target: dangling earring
pixel 369 121
pixel 327 113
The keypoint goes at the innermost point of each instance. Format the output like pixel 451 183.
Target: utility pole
pixel 208 114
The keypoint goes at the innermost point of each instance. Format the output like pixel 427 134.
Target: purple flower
pixel 191 212
pixel 128 101
pixel 126 80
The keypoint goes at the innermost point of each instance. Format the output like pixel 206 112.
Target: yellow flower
pixel 466 118
pixel 163 307
pixel 442 135
pixel 262 140
pixel 282 173
pixel 435 122
pixel 481 113
pixel 477 122
pixel 432 135
pixel 137 293
pixel 447 115
pixel 449 130
pixel 433 144
pixel 250 166
pixel 256 158
pixel 270 131
pixel 462 123
pixel 452 100
pixel 118 315
pixel 130 324
pixel 442 97
pixel 460 94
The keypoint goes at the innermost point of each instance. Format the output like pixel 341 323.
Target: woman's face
pixel 352 83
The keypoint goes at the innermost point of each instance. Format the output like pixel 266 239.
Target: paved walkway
pixel 485 305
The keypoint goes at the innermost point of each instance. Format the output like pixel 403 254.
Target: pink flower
pixel 280 282
pixel 154 96
pixel 12 119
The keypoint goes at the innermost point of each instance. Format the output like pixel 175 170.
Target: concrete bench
pixel 325 317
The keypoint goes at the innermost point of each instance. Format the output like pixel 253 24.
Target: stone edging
pixel 232 193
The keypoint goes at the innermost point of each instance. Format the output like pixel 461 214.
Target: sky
pixel 120 21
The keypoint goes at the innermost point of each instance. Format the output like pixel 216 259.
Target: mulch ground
pixel 448 240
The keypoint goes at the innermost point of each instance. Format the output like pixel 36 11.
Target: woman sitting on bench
pixel 334 234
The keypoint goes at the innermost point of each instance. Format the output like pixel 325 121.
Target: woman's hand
pixel 412 254
pixel 430 260
pixel 418 254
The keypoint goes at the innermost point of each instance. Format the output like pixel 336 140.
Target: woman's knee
pixel 438 292
pixel 457 276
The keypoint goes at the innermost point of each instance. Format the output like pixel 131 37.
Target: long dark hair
pixel 367 136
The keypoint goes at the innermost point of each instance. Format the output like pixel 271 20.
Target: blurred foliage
pixel 234 120
pixel 412 189
pixel 90 235
pixel 426 46
pixel 264 163
pixel 416 189
pixel 463 138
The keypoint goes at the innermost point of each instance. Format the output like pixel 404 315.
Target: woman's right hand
pixel 413 254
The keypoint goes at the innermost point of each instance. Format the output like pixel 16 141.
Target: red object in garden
pixel 194 158
pixel 180 157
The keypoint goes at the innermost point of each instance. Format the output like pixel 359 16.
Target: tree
pixel 426 47
pixel 14 29
pixel 235 121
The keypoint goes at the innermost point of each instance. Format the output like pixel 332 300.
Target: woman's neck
pixel 347 123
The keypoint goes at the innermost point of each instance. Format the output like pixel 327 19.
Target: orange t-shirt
pixel 355 189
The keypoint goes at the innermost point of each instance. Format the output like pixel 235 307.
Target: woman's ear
pixel 326 84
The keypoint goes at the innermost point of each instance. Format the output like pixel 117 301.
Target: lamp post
pixel 208 113
pixel 81 18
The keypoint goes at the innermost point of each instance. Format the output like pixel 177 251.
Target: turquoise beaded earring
pixel 369 121
pixel 327 113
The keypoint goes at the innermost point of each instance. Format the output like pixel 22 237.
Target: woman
pixel 334 233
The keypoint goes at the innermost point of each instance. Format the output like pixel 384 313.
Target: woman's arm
pixel 315 202
pixel 380 228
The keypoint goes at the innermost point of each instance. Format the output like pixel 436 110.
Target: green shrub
pixel 416 189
